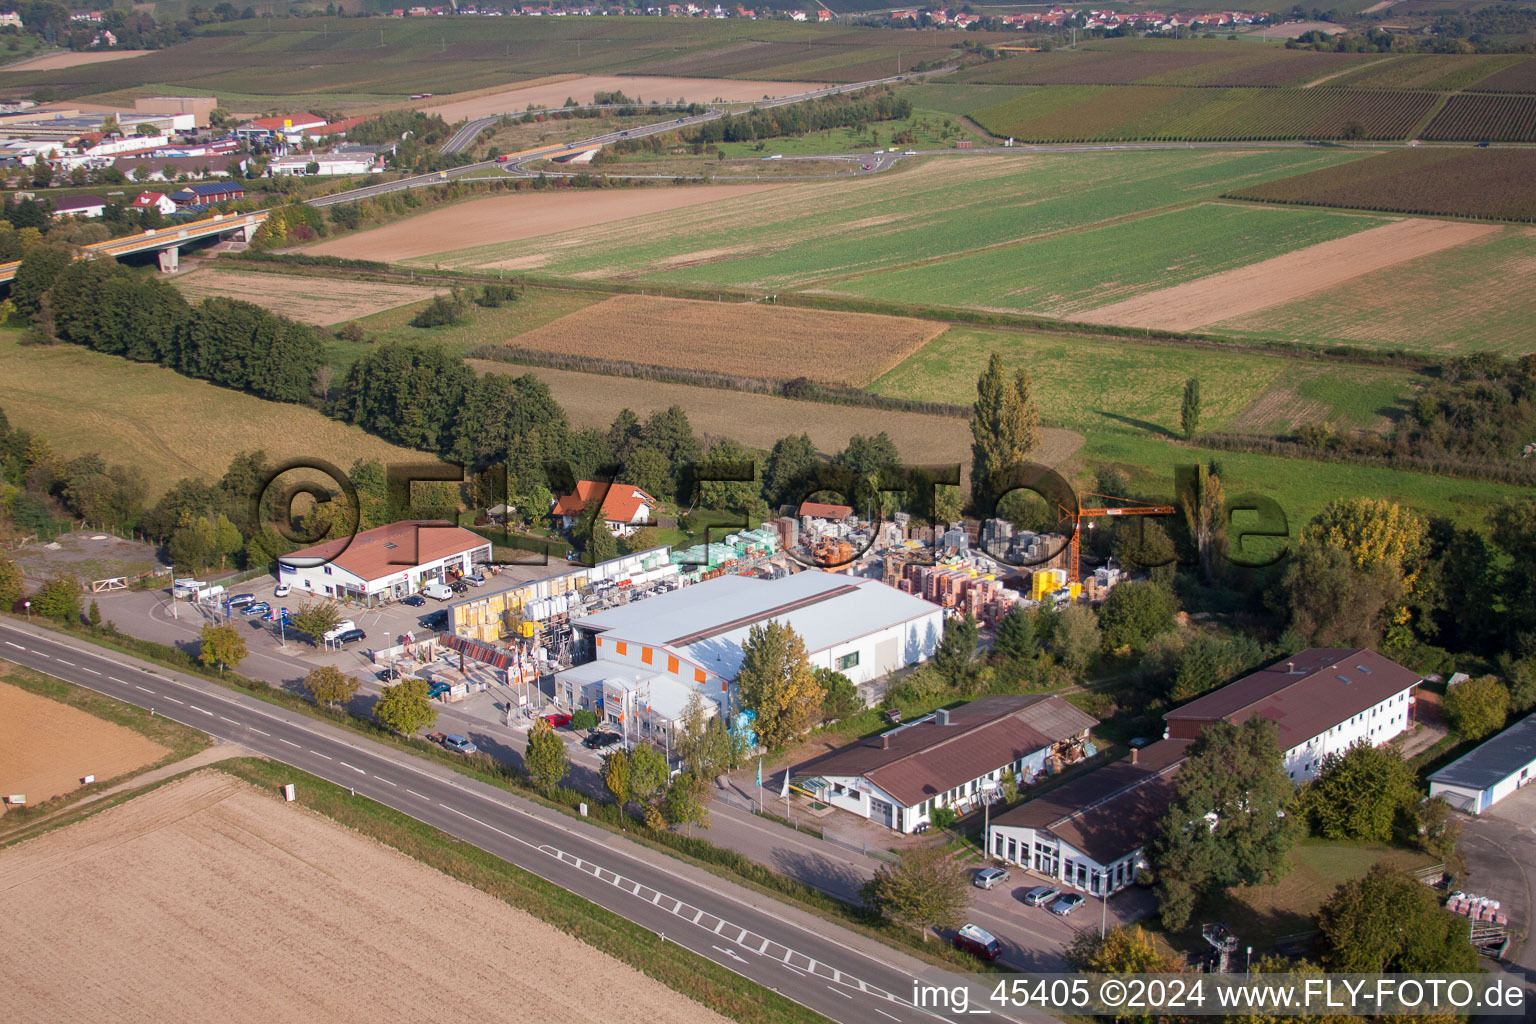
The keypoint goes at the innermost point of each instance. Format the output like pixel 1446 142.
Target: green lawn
pixel 799 235
pixel 1097 384
pixel 1077 271
pixel 928 128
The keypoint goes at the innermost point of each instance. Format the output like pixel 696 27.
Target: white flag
pixel 784 793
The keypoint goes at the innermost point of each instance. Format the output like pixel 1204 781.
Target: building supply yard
pixel 210 900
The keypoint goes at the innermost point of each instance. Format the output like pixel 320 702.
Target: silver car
pixel 1040 895
pixel 987 878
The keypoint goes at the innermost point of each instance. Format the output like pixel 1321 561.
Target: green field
pixel 800 235
pixel 1428 71
pixel 1102 384
pixel 1075 271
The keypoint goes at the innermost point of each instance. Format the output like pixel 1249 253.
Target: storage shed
pixel 1490 773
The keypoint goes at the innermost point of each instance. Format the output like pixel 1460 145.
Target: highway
pixel 842 975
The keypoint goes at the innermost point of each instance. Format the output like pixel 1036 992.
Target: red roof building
pixel 625 508
pixel 385 563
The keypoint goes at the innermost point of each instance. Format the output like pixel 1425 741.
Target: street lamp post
pixel 28 606
pixel 988 786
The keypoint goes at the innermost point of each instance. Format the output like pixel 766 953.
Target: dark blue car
pixel 415 600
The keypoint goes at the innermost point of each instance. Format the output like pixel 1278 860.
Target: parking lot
pixel 1500 848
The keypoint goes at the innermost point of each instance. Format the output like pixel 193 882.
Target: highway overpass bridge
pixel 166 241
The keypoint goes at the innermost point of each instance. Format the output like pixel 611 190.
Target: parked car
pixel 240 600
pixel 978 942
pixel 414 601
pixel 453 741
pixel 281 590
pixel 259 608
pixel 475 580
pixel 458 587
pixel 601 741
pixel 341 627
pixel 1040 895
pixel 558 720
pixel 436 621
pixel 351 636
pixel 988 878
pixel 437 591
pixel 1066 904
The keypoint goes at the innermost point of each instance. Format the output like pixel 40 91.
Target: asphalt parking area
pixel 1500 848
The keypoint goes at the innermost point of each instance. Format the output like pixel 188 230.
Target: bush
pixel 443 311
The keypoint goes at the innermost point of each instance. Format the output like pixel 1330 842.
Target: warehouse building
pixel 656 653
pixel 385 563
pixel 953 758
pixel 1490 773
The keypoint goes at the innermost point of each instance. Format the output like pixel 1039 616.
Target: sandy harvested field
pixel 592 400
pixel 315 300
pixel 47 747
pixel 651 90
pixel 1286 278
pixel 208 900
pixel 745 338
pixel 508 218
pixel 58 61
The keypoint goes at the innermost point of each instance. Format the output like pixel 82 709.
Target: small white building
pixel 153 201
pixel 691 639
pixel 1490 773
pixel 625 508
pixel 326 164
pixel 385 563
pixel 1323 701
pixel 80 206
pixel 954 758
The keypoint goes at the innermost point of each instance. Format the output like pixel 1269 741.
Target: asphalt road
pixel 842 975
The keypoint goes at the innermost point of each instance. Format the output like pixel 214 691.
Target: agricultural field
pixel 209 899
pixel 741 338
pixel 1519 77
pixel 167 425
pixel 810 234
pixel 47 747
pixel 1474 117
pixel 1113 384
pixel 499 220
pixel 757 421
pixel 1498 184
pixel 928 129
pixel 1281 279
pixel 1125 113
pixel 581 88
pixel 1202 62
pixel 1440 71
pixel 1476 297
pixel 314 300
pixel 1073 271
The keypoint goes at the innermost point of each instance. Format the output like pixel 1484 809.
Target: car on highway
pixel 1066 904
pixel 1484 144
pixel 909 152
pixel 864 166
pixel 978 942
pixel 601 741
pixel 453 741
pixel 242 599
pixel 349 636
pixel 556 720
pixel 776 156
pixel 259 608
pixel 281 590
pixel 987 878
pixel 1040 895
pixel 621 134
pixel 414 601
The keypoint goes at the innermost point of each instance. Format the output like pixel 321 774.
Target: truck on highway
pixel 504 158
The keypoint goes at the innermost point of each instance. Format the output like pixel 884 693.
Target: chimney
pixel 941 716
pixel 1290 668
pixel 885 741
pixel 1135 755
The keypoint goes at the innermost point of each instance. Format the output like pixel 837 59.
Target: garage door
pixel 882 812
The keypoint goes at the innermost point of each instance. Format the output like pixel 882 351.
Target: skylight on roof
pixel 1362 668
pixel 391 544
pixel 1342 679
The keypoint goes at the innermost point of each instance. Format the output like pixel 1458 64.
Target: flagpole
pixel 759 785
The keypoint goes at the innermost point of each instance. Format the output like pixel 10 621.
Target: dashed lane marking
pixel 317 753
pixel 352 766
pixel 17 646
pixel 194 707
pixel 146 689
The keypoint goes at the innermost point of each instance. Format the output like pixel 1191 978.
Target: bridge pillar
pixel 170 260
pixel 247 230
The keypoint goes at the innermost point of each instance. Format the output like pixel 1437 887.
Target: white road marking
pixel 289 742
pixel 69 663
pixel 382 779
pixel 697 916
pixel 795 969
pixel 124 682
pixel 90 670
pixel 194 707
pixel 733 955
pixel 146 689
pixel 173 700
pixel 17 646
pixel 231 721
pixel 884 1014
pixel 258 731
pixel 317 753
pixel 414 793
pixel 840 992
pixel 352 766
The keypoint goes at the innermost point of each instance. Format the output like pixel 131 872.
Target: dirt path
pixel 210 900
pixel 1286 278
pixel 1347 71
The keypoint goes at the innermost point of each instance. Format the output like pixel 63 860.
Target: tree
pixel 1440 833
pixel 1005 429
pixel 315 620
pixel 10 583
pixel 616 776
pixel 1389 922
pixel 583 718
pixel 1330 602
pixel 36 274
pixel 1363 794
pixel 687 801
pixel 330 686
pixel 58 599
pixel 1014 640
pixel 221 645
pixel 787 470
pixel 776 683
pixel 928 887
pixel 1477 707
pixel 1123 950
pixel 724 458
pixel 93 616
pixel 1134 613
pixel 648 772
pixel 1371 531
pixel 1075 637
pixel 841 696
pixel 956 650
pixel 1189 412
pixel 602 545
pixel 1203 501
pixel 1229 823
pixel 405 707
pixel 545 757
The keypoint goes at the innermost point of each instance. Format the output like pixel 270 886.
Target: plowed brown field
pixel 207 900
pixel 744 338
pixel 315 300
pixel 47 747
pixel 581 87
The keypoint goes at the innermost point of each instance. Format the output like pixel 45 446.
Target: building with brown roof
pixel 1088 833
pixel 625 508
pixel 953 758
pixel 385 563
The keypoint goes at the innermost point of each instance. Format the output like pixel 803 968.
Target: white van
pixel 341 627
pixel 438 591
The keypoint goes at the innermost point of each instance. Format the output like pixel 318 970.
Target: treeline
pixel 105 306
pixel 388 127
pixel 843 111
